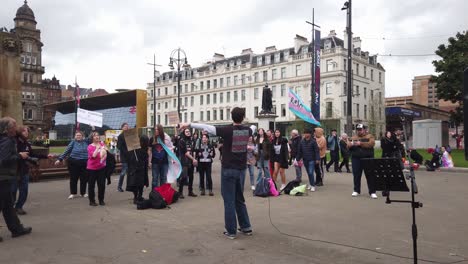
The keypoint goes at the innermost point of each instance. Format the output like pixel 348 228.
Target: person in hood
pixel 322 144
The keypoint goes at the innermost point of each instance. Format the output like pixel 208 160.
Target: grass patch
pixel 458 156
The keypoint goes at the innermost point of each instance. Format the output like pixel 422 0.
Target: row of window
pixel 29 77
pixel 329 111
pixel 331 65
pixel 214 115
pixel 26 59
pixel 219 97
pixel 28 95
pixel 233 80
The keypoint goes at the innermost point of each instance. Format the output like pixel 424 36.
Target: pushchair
pixel 435 162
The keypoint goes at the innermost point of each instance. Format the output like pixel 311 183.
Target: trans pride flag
pixel 301 110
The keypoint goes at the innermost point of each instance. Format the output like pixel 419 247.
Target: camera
pixel 33 161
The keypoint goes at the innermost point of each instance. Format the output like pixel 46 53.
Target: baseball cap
pixel 359 126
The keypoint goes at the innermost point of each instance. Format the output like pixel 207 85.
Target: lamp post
pixel 155 75
pixel 349 110
pixel 178 57
pixel 314 92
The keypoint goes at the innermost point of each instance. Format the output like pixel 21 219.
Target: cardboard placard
pixel 173 118
pixel 132 139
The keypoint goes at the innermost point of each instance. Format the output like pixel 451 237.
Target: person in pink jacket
pixel 322 144
pixel 96 165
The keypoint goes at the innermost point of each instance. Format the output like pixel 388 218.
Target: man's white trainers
pixel 312 188
pixel 354 194
pixel 373 196
pixel 252 187
pixel 72 196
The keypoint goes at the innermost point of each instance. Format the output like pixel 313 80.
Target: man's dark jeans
pixel 6 207
pixel 357 174
pixel 234 202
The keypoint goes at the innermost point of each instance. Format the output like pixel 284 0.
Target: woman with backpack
pixel 262 154
pixel 96 165
pixel 205 154
pixel 77 153
pixel 279 155
pixel 157 156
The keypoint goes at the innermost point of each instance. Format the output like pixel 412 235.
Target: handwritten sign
pixel 132 139
pixel 89 117
pixel 173 118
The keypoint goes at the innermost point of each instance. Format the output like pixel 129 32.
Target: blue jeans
pixel 251 174
pixel 310 168
pixel 265 167
pixel 22 187
pixel 298 173
pixel 122 174
pixel 234 202
pixel 159 174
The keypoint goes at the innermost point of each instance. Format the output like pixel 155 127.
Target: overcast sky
pixel 107 43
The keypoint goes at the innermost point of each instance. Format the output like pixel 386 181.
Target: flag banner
pixel 301 110
pixel 89 117
pixel 175 167
pixel 316 103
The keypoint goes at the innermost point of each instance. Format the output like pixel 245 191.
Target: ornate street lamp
pixel 179 58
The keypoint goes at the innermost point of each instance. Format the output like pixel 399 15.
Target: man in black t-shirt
pixel 233 166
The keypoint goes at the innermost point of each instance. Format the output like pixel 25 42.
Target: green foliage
pixel 450 68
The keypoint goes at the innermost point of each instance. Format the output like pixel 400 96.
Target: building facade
pixel 35 91
pixel 209 92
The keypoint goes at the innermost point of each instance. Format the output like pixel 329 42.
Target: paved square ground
pixel 70 231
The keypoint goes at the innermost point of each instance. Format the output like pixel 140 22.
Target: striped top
pixel 76 150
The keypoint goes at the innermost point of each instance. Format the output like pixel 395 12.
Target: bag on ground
pixel 291 185
pixel 157 201
pixel 262 188
pixel 144 204
pixel 168 193
pixel 298 191
pixel 273 191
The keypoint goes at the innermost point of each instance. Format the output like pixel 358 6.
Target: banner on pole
pixel 316 103
pixel 89 117
pixel 301 110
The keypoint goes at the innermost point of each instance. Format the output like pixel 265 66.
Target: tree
pixel 450 68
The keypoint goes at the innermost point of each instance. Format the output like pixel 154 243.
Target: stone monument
pixel 10 76
pixel 266 117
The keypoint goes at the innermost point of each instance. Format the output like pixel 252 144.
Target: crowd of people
pixel 242 150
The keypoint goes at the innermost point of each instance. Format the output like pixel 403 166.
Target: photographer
pixel 9 158
pixel 22 183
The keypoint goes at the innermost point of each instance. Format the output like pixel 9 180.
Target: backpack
pixel 168 193
pixel 273 189
pixel 262 188
pixel 144 204
pixel 157 201
pixel 291 185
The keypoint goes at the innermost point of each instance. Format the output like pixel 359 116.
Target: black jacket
pixel 390 147
pixel 25 146
pixel 284 153
pixel 308 150
pixel 344 149
pixel 122 147
pixel 294 146
pixel 9 158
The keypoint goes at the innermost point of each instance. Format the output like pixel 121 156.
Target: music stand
pixel 388 176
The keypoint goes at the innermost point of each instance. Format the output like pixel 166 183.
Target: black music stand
pixel 388 176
